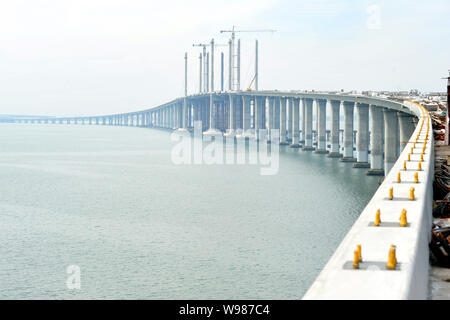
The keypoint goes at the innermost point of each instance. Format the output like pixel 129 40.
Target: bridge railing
pixel 372 279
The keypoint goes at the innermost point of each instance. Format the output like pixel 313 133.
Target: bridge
pixel 385 253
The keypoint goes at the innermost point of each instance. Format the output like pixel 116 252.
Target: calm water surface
pixel 110 200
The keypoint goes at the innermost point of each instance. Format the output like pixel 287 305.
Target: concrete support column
pixel 348 132
pixel 246 115
pixel 180 115
pixel 231 117
pixel 283 140
pixel 175 116
pixel 295 102
pixel 212 113
pixel 239 115
pixel 335 121
pixel 270 114
pixel 362 136
pixel 321 129
pixel 213 116
pixel 169 117
pixel 290 113
pixel 184 115
pixel 308 103
pixel 407 127
pixel 376 141
pixel 173 124
pixel 303 122
pixel 276 113
pixel 259 109
pixel 390 139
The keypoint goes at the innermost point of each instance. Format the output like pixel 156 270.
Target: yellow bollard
pixel 395 248
pixel 377 219
pixel 411 193
pixel 398 177
pixel 412 150
pixel 416 177
pixel 355 260
pixel 419 167
pixel 421 156
pixel 404 165
pixel 409 157
pixel 392 260
pixel 391 193
pixel 403 220
pixel 358 249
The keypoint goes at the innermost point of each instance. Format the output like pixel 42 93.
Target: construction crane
pixel 251 82
pixel 235 59
pixel 205 66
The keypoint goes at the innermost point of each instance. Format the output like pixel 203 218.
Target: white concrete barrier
pixel 338 280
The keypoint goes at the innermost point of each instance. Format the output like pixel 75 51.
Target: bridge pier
pixel 322 130
pixel 174 117
pixel 258 114
pixel 276 113
pixel 295 102
pixel 376 141
pixel 246 114
pixel 348 132
pixel 270 114
pixel 290 115
pixel 362 136
pixel 335 123
pixel 390 139
pixel 308 103
pixel 283 138
pixel 231 117
pixel 303 122
pixel 212 118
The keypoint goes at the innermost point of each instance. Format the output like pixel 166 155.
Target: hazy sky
pixel 89 57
